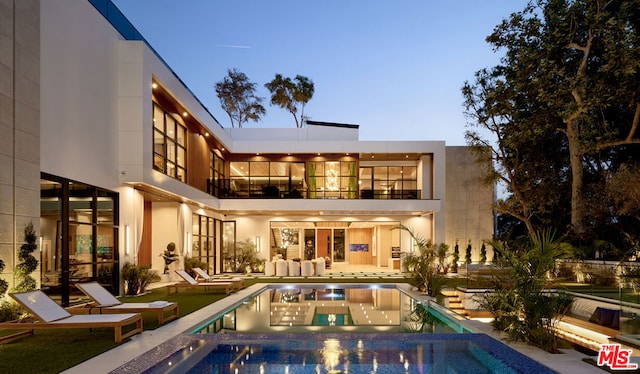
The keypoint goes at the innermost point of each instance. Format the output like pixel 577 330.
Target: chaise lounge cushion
pixel 606 317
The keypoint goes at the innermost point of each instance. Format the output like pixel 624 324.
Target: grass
pixel 55 350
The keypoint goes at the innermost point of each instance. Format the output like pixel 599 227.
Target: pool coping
pixel 569 361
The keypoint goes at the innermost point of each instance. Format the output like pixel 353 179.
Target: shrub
pixel 246 258
pixel 519 302
pixel 442 251
pixel 190 263
pixel 28 263
pixel 4 285
pixel 137 278
pixel 455 258
pixel 421 265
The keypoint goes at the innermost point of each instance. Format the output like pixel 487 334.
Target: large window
pixel 269 179
pixel 388 182
pixel 216 174
pixel 169 144
pixel 229 256
pixel 79 236
pixel 204 239
pixel 332 180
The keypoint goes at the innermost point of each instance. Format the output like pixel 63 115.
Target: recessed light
pixel 154 85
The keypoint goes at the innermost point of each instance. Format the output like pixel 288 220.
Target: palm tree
pixel 520 302
pixel 421 265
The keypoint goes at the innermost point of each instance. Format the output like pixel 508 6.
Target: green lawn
pixel 54 350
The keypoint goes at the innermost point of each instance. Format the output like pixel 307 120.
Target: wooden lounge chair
pixel 189 282
pixel 238 283
pixel 105 302
pixel 50 315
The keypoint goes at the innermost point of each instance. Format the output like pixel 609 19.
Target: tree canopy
pixel 560 112
pixel 290 95
pixel 238 99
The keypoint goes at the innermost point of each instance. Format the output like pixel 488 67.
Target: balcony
pixel 223 189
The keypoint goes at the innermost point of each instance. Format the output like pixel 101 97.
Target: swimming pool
pixel 225 343
pixel 330 308
pixel 349 353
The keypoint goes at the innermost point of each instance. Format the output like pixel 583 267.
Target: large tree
pixel 238 99
pixel 525 160
pixel 623 188
pixel 290 95
pixel 572 68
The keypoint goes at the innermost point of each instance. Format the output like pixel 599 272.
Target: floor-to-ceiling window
pixel 356 242
pixel 338 245
pixel 216 174
pixel 79 231
pixel 388 182
pixel 228 245
pixel 169 144
pixel 204 239
pixel 332 180
pixel 269 179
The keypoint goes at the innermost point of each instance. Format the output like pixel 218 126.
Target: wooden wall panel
pixel 198 153
pixel 144 252
pixel 388 238
pixel 360 236
pixel 324 242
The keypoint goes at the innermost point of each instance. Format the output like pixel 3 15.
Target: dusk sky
pixel 393 67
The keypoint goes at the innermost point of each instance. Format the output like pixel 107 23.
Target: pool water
pixel 353 353
pixel 332 329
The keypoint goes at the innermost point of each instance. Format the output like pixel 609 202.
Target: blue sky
pixel 393 67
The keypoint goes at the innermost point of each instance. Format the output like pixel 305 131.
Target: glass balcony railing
pixel 227 189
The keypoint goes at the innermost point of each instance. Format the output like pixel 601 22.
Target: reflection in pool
pixel 329 309
pixel 358 353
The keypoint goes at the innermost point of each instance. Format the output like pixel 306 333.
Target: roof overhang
pixel 329 207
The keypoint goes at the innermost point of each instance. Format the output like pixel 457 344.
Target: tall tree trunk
pixel 576 151
pixel 578 224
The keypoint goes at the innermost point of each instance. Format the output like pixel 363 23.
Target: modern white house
pixel 112 158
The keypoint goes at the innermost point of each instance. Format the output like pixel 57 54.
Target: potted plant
pixel 455 258
pixel 483 254
pixel 467 256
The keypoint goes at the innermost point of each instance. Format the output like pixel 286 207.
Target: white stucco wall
pixel 79 93
pixel 165 231
pixel 469 204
